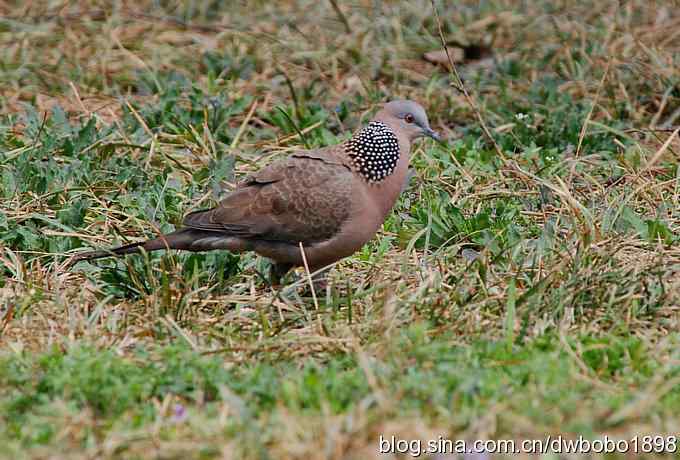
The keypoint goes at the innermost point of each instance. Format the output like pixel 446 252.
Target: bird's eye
pixel 409 118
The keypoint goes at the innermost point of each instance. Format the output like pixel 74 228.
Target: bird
pixel 311 209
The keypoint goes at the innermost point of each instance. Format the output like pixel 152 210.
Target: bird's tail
pixel 181 239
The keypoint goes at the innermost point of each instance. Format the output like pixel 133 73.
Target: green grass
pixel 513 293
pixel 177 390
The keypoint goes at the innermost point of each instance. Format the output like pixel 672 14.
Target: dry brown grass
pixel 597 280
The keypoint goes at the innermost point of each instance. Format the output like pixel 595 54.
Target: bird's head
pixel 408 117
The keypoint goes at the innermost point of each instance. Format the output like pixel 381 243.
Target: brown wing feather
pixel 303 198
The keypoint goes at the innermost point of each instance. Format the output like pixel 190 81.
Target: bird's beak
pixel 429 132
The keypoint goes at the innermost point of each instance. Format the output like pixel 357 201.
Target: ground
pixel 527 283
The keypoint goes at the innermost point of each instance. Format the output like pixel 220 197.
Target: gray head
pixel 408 117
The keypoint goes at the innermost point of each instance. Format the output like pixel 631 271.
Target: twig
pixel 341 15
pixel 295 127
pixel 651 130
pixel 80 101
pixel 293 93
pixel 243 126
pixel 586 122
pixel 458 82
pixel 659 153
pixel 40 130
pixel 309 276
pixel 584 128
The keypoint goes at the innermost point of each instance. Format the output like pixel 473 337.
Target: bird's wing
pixel 303 198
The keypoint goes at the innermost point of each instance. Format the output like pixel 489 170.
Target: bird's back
pixel 305 197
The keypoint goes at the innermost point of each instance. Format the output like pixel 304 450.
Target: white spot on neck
pixel 374 151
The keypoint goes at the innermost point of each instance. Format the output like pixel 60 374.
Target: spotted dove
pixel 332 200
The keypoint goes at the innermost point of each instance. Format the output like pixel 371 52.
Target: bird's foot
pixel 276 272
pixel 319 284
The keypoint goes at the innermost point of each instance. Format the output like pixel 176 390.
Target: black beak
pixel 429 132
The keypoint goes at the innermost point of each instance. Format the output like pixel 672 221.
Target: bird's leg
pixel 319 280
pixel 278 271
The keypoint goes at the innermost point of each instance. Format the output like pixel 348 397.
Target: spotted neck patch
pixel 374 151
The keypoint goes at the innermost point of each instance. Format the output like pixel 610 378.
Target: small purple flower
pixel 179 413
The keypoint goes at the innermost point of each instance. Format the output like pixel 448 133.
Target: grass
pixel 512 293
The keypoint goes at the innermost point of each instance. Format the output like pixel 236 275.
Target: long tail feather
pixel 181 239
